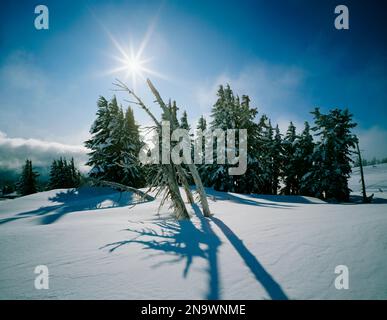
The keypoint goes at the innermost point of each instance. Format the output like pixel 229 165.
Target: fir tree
pixel 75 174
pixel 114 145
pixel 229 112
pixel 304 158
pixel 97 144
pixel 258 177
pixel 27 183
pixel 251 180
pixel 133 171
pixel 222 117
pixel 277 160
pixel 329 175
pixel 184 121
pixel 290 165
pixel 200 141
pixel 63 174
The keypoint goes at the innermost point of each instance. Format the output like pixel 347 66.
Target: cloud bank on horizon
pixel 14 152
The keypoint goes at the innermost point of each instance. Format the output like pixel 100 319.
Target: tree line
pixel 314 162
pixel 63 174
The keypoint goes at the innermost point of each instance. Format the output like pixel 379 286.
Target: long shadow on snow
pixel 73 200
pixel 253 199
pixel 185 241
pixel 263 277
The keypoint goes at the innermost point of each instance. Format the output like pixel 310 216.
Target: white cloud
pixel 14 151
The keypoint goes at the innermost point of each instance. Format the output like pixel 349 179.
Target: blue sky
pixel 286 55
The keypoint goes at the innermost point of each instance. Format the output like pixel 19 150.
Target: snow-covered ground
pixel 96 245
pixel 375 179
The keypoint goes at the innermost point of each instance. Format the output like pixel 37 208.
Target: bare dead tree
pixel 364 193
pixel 193 170
pixel 169 173
pixel 166 179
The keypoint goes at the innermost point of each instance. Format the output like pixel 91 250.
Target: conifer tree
pixel 229 112
pixel 222 117
pixel 290 165
pixel 133 171
pixel 259 175
pixel 100 136
pixel 27 183
pixel 304 158
pixel 277 160
pixel 64 174
pixel 200 141
pixel 332 160
pixel 114 145
pixel 246 114
pixel 184 121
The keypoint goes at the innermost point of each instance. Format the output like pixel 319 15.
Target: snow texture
pixel 98 245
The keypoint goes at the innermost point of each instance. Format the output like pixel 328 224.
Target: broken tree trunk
pixel 185 184
pixel 119 186
pixel 178 203
pixel 363 187
pixel 361 173
pixel 169 170
pixel 200 189
pixel 192 167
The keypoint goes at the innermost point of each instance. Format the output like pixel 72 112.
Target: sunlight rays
pixel 132 64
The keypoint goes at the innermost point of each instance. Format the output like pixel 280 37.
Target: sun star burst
pixel 132 63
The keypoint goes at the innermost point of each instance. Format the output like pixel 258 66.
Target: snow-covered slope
pixel 375 179
pixel 96 245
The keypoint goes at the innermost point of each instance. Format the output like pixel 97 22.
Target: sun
pixel 132 63
pixel 134 66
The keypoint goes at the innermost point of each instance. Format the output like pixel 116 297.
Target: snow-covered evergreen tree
pixel 28 180
pixel 200 141
pixel 184 121
pixel 64 174
pixel 132 143
pixel 265 140
pixel 100 136
pixel 223 117
pixel 115 144
pixel 290 164
pixel 329 175
pixel 304 158
pixel 248 182
pixel 277 156
pixel 259 175
pixel 230 112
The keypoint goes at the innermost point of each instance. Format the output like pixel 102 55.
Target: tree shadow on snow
pixel 186 241
pixel 261 275
pixel 357 199
pixel 182 240
pixel 75 200
pixel 253 199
